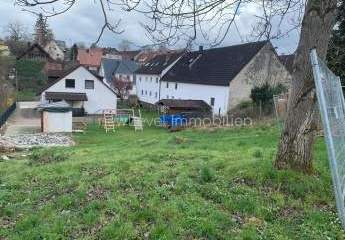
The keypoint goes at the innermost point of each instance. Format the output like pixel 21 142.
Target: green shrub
pixel 44 156
pixel 264 94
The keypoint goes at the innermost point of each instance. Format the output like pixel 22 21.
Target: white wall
pixel 57 121
pixel 99 98
pixel 146 84
pixel 198 92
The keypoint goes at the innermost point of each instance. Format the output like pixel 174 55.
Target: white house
pixel 82 90
pixel 55 51
pixel 223 77
pixel 148 77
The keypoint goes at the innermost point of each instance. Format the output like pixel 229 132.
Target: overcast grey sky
pixel 83 22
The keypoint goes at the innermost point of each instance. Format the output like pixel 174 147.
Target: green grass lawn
pixel 194 184
pixel 27 95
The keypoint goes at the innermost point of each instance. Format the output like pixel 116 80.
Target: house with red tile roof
pixel 90 58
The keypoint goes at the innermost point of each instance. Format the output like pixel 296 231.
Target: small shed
pixel 56 117
pixel 190 107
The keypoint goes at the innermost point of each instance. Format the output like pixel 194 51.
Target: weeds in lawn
pixel 258 153
pixel 206 174
pixel 45 156
pixel 193 184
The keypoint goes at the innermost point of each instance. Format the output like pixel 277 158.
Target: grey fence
pixel 7 113
pixel 332 109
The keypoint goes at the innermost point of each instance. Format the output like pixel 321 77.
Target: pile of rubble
pixel 27 141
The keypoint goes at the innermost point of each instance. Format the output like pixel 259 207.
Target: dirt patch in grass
pixel 96 193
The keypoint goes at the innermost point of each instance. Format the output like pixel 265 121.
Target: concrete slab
pixel 24 120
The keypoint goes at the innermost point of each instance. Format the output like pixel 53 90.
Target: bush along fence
pixel 7 113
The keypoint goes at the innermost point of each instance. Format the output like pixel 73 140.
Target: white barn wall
pixel 146 84
pixel 99 98
pixel 198 92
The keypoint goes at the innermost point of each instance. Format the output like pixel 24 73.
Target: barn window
pixel 212 101
pixel 89 84
pixel 70 83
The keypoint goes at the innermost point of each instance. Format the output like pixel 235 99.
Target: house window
pixel 140 79
pixel 142 92
pixel 70 83
pixel 156 94
pixel 89 84
pixel 145 92
pixel 212 101
pixel 172 97
pixel 151 79
pixel 157 79
pixel 150 93
pixel 167 96
pixel 175 85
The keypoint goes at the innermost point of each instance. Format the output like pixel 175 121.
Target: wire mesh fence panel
pixel 332 109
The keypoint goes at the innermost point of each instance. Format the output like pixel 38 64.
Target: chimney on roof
pixel 201 49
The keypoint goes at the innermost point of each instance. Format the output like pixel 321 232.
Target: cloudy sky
pixel 83 22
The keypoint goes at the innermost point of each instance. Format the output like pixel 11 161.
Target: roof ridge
pixel 232 46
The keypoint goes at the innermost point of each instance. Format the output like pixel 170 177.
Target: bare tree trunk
pixel 295 148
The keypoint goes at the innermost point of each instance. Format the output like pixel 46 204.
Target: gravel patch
pixel 27 141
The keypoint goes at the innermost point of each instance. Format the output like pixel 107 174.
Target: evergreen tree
pixel 74 53
pixel 336 52
pixel 43 34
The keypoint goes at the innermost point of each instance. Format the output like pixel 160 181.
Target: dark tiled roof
pixel 115 66
pixel 287 61
pixel 158 63
pixel 217 66
pixel 67 96
pixel 184 104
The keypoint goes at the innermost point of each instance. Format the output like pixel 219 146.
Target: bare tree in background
pixel 6 88
pixel 173 21
pixel 17 37
pixel 16 31
pixel 125 45
pixel 122 86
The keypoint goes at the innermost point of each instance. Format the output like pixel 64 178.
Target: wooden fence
pixel 7 113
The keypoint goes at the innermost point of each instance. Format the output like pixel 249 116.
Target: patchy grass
pixel 194 184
